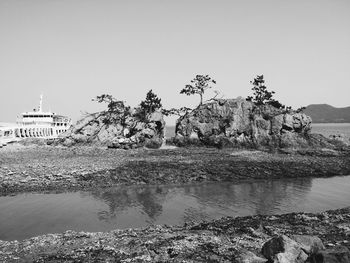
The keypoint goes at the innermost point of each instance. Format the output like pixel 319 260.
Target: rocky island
pixel 224 140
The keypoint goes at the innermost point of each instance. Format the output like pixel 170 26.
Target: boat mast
pixel 41 103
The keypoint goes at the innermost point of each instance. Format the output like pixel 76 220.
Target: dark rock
pixel 154 143
pixel 339 254
pixel 310 244
pixel 282 249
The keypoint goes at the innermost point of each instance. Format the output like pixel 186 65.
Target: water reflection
pixel 203 201
pixel 119 199
pixel 26 215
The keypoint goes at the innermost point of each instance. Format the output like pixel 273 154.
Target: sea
pixel 328 129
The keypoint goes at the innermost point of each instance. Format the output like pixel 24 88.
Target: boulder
pixel 282 249
pixel 310 244
pixel 338 254
pixel 238 122
pixel 92 129
pixel 154 143
pixel 288 122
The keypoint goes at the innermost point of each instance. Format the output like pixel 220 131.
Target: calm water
pixel 331 129
pixel 26 215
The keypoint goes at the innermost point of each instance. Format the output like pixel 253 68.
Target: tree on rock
pixel 151 103
pixel 117 111
pixel 261 95
pixel 148 106
pixel 199 85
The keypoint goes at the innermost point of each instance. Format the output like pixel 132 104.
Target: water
pixel 327 129
pixel 26 215
pixel 169 131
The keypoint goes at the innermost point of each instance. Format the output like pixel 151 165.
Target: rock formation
pixel 238 122
pixel 93 129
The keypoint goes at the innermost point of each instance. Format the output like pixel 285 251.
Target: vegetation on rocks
pixel 199 85
pixel 119 126
pixel 239 123
pixel 148 106
pixel 117 111
pixel 260 121
pixel 262 96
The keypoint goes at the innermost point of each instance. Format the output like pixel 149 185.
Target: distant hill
pixel 322 113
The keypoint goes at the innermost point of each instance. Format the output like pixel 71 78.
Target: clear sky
pixel 73 50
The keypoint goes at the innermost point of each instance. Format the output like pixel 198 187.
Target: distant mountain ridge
pixel 324 113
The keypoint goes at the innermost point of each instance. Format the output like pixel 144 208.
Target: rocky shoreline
pixel 228 239
pixel 41 168
pixel 242 239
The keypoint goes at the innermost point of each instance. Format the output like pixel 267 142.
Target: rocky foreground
pixel 296 237
pixel 38 168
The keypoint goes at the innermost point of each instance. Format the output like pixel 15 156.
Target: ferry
pixel 35 124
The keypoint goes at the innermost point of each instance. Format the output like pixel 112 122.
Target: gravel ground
pixel 41 168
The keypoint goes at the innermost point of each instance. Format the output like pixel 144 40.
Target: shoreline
pixel 48 168
pixel 222 240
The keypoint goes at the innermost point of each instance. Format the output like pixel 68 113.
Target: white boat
pixel 35 124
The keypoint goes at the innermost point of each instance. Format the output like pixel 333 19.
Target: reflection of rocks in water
pixel 264 197
pixel 204 201
pixel 151 200
pixel 216 193
pixel 272 194
pixel 120 199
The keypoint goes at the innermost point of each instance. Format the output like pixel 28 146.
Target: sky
pixel 73 50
